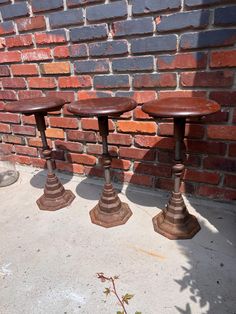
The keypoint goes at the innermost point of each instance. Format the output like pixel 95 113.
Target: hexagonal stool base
pixel 175 231
pixel 109 220
pixel 52 204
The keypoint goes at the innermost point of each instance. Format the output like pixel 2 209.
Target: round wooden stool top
pixel 105 106
pixel 35 105
pixel 180 107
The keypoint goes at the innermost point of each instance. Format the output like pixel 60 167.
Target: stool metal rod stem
pixel 178 168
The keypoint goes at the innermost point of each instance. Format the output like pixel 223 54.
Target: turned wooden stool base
pixel 175 222
pixel 55 196
pixel 108 220
pixel 110 211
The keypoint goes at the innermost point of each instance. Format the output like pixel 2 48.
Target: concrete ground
pixel 49 260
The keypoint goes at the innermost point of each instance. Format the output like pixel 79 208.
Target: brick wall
pixel 146 49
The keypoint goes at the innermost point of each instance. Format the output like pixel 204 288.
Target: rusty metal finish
pixel 175 222
pixel 105 106
pixel 55 196
pixel 180 107
pixel 35 105
pixel 109 211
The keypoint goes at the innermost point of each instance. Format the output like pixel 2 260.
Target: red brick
pixel 13 139
pixel 70 146
pixel 216 193
pixel 207 79
pixel 4 70
pixel 218 117
pixel 230 181
pixel 224 132
pixel 154 141
pixel 155 80
pixel 25 160
pixel 136 127
pixel 227 98
pixel 96 149
pixel 220 59
pixel 38 54
pixel 24 150
pixel 28 119
pixel 94 171
pixel 232 150
pixel 7 28
pixel 92 94
pixel 181 93
pixel 139 179
pixel 6 148
pixel 37 142
pixel 42 82
pixel 54 37
pixel 137 153
pixel 19 41
pixel 82 159
pixel 139 114
pixel 55 68
pixel 24 69
pixel 27 94
pixel 10 56
pixel 204 147
pixel 67 96
pixel 168 184
pixel 9 117
pixel 182 61
pixel 92 124
pixel 81 136
pixel 143 96
pixel 67 123
pixel 74 168
pixel 219 163
pixel 5 128
pixel 61 52
pixel 14 83
pixel 55 133
pixel 201 176
pixel 191 130
pixel 120 164
pixel 81 81
pixel 8 95
pixel 24 130
pixel 119 139
pixel 30 23
pixel 38 162
pixel 154 170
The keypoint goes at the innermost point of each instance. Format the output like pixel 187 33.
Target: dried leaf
pixel 107 291
pixel 127 297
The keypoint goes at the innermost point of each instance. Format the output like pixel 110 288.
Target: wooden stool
pixel 55 196
pixel 175 222
pixel 110 211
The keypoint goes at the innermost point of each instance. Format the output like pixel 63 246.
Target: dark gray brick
pixel 183 20
pixel 151 6
pixel 12 11
pixel 40 6
pixel 154 44
pixel 89 33
pixel 70 17
pixel 107 11
pixel 134 64
pixel 108 48
pixel 78 51
pixel 133 27
pixel 92 66
pixel 111 81
pixel 7 28
pixel 225 16
pixel 208 39
pixel 77 3
pixel 196 3
pixel 4 1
